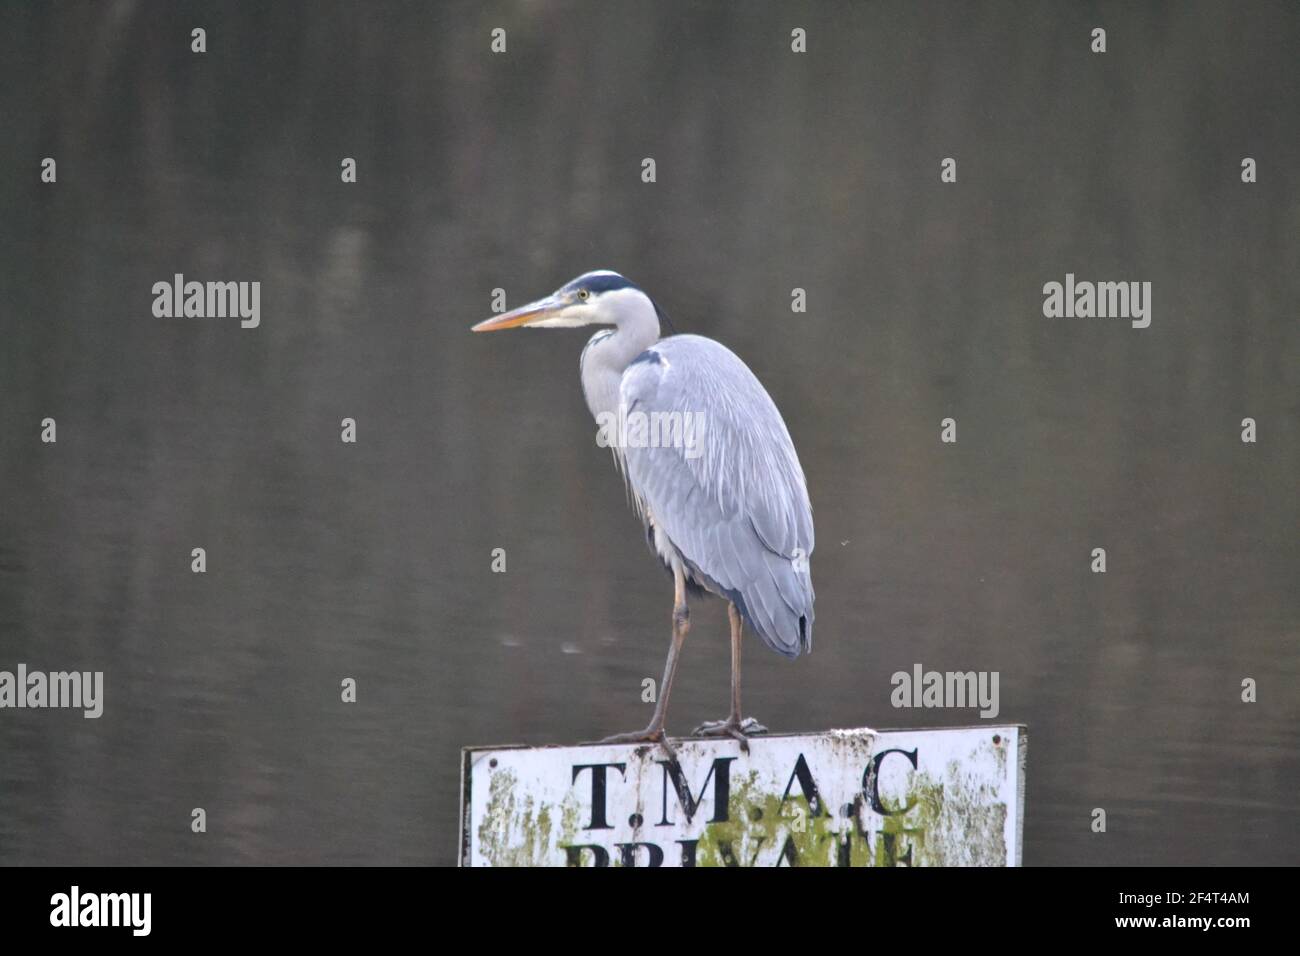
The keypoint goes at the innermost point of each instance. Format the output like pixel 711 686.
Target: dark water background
pixel 372 560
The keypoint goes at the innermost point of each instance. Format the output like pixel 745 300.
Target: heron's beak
pixel 525 314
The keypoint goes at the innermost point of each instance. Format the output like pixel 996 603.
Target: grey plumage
pixel 739 513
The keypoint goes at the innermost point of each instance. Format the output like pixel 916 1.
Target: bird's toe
pixel 751 727
pixel 712 728
pixel 650 735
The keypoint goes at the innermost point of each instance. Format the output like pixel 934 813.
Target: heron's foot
pixel 651 735
pixel 740 730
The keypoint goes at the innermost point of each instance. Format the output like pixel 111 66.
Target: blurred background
pixel 775 170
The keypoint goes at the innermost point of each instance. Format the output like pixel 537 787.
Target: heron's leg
pixel 734 725
pixel 733 616
pixel 654 733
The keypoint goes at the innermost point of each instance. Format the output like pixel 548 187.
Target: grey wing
pixel 736 504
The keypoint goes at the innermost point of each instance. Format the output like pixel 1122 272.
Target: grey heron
pixel 732 519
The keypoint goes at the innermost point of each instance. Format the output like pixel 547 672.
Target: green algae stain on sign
pixel 517 829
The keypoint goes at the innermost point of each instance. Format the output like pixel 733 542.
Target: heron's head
pixel 595 298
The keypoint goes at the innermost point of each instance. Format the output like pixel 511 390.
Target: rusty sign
pixel 939 797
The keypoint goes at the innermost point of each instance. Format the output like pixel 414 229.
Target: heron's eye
pixel 584 295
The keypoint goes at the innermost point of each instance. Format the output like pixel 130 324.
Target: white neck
pixel 608 355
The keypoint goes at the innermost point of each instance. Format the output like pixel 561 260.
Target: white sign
pixel 947 797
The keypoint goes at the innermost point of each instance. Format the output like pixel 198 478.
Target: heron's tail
pixel 779 606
